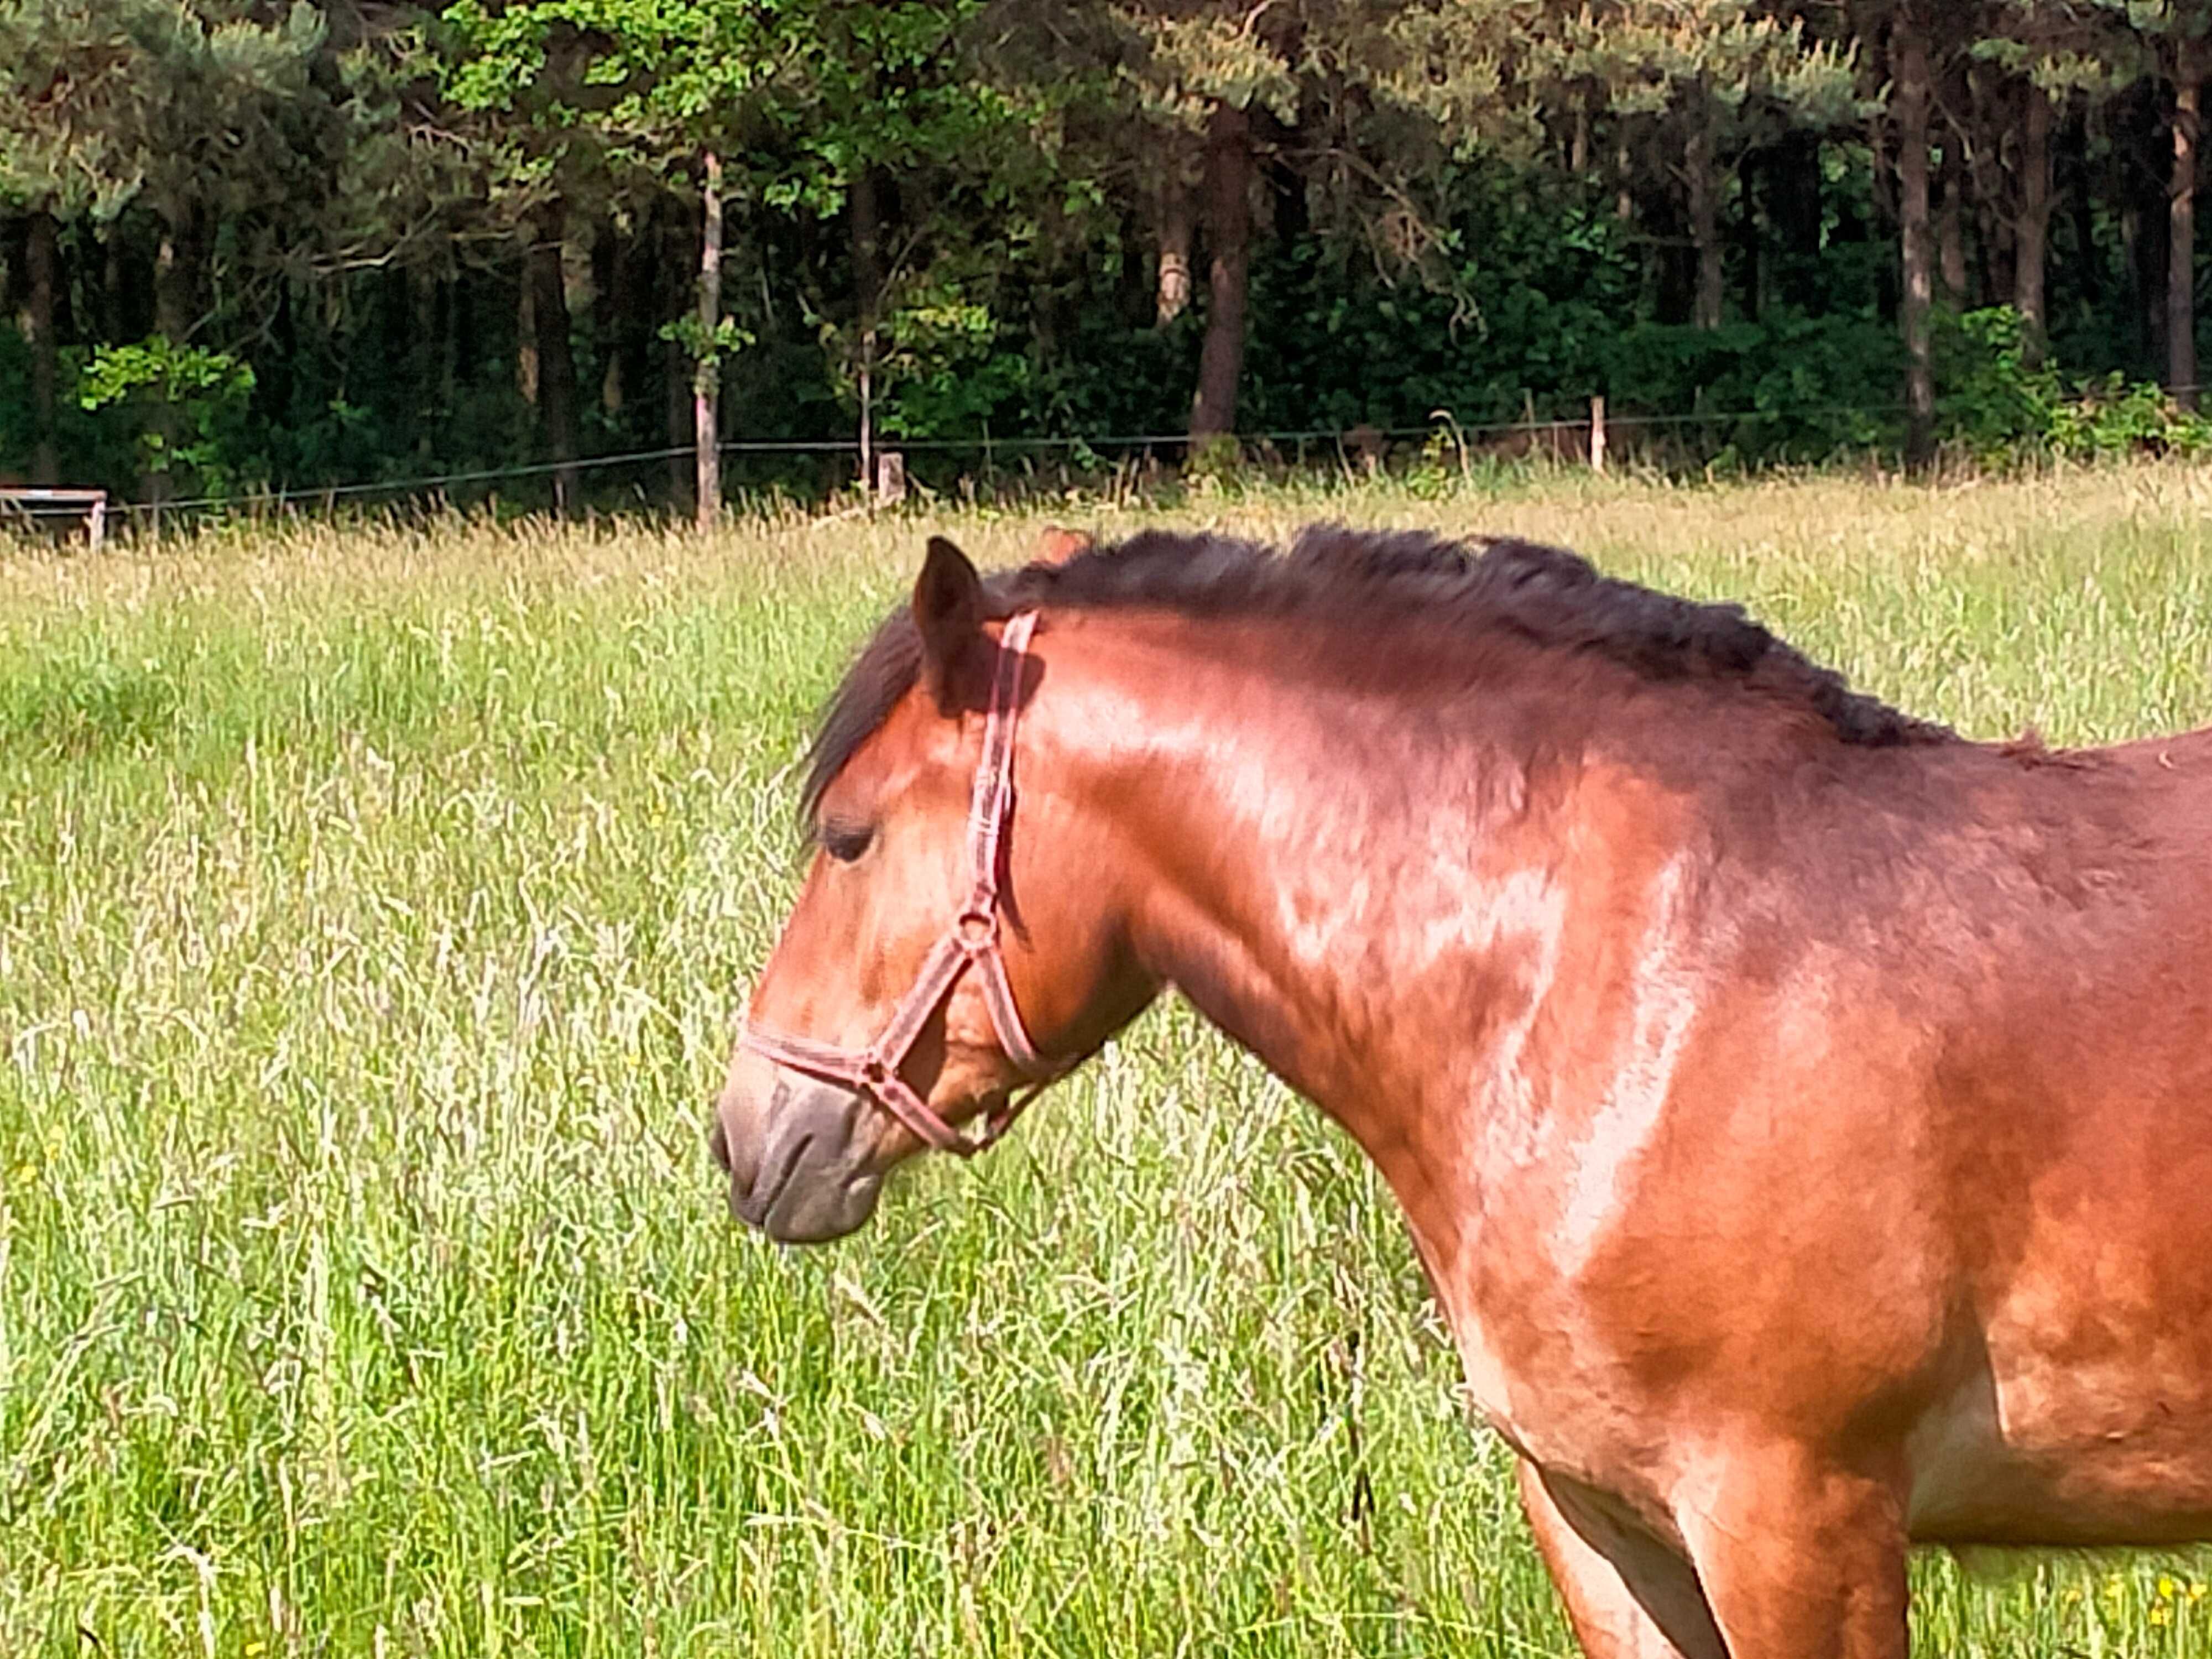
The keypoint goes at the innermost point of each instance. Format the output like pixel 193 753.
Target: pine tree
pixel 1692 83
pixel 2177 36
pixel 2057 54
pixel 188 109
pixel 60 79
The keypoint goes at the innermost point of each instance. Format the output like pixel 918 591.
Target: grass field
pixel 372 910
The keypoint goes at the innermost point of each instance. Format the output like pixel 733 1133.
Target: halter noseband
pixel 971 941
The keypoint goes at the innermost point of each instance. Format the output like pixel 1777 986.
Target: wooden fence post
pixel 1597 434
pixel 890 477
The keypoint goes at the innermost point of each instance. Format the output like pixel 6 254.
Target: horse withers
pixel 1803 1115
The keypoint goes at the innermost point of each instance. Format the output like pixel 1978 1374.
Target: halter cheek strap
pixel 972 941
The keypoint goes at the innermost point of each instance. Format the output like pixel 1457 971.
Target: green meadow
pixel 374 904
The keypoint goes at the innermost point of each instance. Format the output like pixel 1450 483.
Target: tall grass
pixel 373 909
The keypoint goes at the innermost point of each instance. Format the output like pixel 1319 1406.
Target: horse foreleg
pixel 1628 1596
pixel 1800 1559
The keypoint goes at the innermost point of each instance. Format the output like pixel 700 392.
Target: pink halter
pixel 971 941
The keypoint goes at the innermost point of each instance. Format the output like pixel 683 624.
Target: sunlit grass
pixel 372 908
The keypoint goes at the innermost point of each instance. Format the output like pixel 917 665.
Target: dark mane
pixel 1338 577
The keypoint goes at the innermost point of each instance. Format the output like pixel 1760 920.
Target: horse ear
pixel 948 612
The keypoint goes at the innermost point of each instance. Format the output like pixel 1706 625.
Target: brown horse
pixel 1803 1115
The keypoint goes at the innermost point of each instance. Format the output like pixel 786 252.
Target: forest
pixel 653 252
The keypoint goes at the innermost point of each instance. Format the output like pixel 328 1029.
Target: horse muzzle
pixel 798 1169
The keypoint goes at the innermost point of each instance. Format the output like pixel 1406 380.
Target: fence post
pixel 1597 434
pixel 890 477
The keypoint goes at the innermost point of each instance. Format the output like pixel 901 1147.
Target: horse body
pixel 1678 1145
pixel 1808 1142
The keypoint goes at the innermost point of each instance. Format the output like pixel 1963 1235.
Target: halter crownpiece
pixel 972 941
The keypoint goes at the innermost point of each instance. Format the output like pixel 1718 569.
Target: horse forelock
pixel 1356 583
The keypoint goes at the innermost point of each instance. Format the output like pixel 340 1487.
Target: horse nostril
pixel 719 1144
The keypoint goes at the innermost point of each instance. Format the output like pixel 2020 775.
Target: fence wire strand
pixel 1354 437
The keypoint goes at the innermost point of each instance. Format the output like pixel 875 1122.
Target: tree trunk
pixel 1705 218
pixel 1670 276
pixel 867 204
pixel 644 292
pixel 177 270
pixel 1992 220
pixel 1951 221
pixel 276 383
pixel 1173 291
pixel 2031 232
pixel 612 305
pixel 1794 207
pixel 706 373
pixel 1909 58
pixel 126 307
pixel 2144 141
pixel 525 336
pixel 2079 191
pixel 41 262
pixel 1884 190
pixel 452 296
pixel 423 352
pixel 1229 247
pixel 1754 272
pixel 673 247
pixel 556 357
pixel 2181 237
pixel 176 316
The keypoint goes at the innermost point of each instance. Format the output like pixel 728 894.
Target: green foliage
pixel 648 80
pixel 1442 467
pixel 2001 406
pixel 167 373
pixel 1480 208
pixel 2116 416
pixel 186 405
pixel 712 349
pixel 1215 461
pixel 15 433
pixel 946 368
pixel 1992 398
pixel 180 102
pixel 1788 388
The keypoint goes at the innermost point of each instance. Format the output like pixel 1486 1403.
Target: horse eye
pixel 845 841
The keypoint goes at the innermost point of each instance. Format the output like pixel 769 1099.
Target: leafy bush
pixel 1787 388
pixel 2114 416
pixel 189 406
pixel 2002 408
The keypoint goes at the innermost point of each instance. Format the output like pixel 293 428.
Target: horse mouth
pixel 809 1191
pixel 755 1206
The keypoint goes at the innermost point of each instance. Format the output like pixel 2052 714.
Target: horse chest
pixel 1537 1322
pixel 1489 1384
pixel 1527 1358
pixel 1572 1430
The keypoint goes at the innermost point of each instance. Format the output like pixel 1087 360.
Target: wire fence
pixel 1347 440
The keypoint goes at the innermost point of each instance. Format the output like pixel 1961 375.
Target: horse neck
pixel 1369 902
